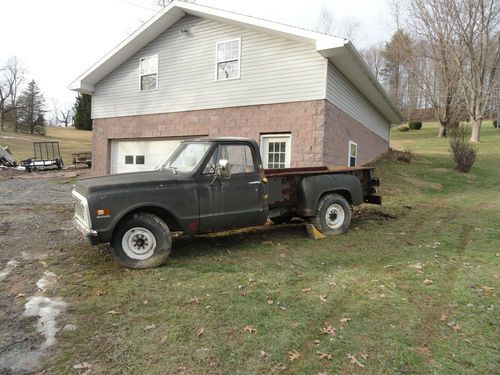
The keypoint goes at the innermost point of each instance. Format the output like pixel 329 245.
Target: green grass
pixel 445 223
pixel 70 140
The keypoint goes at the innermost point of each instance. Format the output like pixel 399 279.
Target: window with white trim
pixel 276 150
pixel 148 73
pixel 228 60
pixel 353 154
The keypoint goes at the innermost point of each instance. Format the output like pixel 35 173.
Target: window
pixel 148 73
pixel 275 149
pixel 353 154
pixel 228 60
pixel 129 159
pixel 139 159
pixel 239 156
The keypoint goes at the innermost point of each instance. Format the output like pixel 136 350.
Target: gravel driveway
pixel 35 227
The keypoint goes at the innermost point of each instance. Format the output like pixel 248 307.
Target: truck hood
pixel 121 181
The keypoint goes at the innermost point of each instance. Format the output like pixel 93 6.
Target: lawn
pixel 70 140
pixel 411 288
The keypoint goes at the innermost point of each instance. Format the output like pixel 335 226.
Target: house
pixel 193 71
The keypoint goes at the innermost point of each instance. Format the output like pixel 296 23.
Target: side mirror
pixel 224 168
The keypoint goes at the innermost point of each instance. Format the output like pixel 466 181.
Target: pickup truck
pixel 212 184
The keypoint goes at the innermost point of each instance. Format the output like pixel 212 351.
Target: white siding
pixel 345 96
pixel 273 70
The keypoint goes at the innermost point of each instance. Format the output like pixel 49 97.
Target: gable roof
pixel 339 51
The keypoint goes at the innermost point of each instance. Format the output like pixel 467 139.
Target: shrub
pixel 495 122
pixel 415 125
pixel 462 151
pixel 403 128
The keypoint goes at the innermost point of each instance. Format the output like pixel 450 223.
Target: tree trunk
pixel 15 119
pixel 476 130
pixel 443 127
pixel 1 120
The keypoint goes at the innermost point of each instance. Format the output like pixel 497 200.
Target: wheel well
pixel 345 193
pixel 163 214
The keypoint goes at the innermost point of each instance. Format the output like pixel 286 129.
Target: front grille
pixel 79 210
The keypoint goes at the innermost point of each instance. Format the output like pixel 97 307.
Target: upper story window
pixel 228 60
pixel 148 73
pixel 353 154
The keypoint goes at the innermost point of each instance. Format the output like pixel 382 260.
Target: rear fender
pixel 311 189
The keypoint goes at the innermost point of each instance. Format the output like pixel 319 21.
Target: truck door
pixel 237 201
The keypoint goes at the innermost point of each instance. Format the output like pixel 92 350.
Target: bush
pixel 462 151
pixel 415 125
pixel 403 128
pixel 495 122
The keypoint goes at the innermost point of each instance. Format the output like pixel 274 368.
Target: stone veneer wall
pixel 304 120
pixel 340 129
pixel 313 143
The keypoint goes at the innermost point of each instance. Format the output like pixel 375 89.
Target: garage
pixel 136 155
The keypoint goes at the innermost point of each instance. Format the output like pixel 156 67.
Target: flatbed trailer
pixel 47 156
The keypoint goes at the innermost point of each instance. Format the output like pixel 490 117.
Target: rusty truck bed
pixel 282 183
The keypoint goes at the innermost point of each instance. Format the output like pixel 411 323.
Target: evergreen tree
pixel 82 109
pixel 31 108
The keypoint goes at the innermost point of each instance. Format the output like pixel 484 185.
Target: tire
pixel 142 241
pixel 283 219
pixel 333 215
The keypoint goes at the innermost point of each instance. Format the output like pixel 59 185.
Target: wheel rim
pixel 334 216
pixel 138 243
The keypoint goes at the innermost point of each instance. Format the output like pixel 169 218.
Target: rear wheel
pixel 141 241
pixel 333 215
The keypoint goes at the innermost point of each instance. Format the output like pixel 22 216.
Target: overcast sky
pixel 57 40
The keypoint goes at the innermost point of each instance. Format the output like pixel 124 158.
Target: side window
pixel 276 150
pixel 148 73
pixel 353 154
pixel 239 156
pixel 228 60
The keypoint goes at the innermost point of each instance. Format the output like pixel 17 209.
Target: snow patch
pixel 48 281
pixel 47 310
pixel 8 269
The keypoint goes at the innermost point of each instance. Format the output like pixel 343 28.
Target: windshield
pixel 186 157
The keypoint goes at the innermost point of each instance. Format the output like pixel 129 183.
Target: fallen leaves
pixel 345 320
pixel 454 326
pixel 322 298
pixel 428 282
pixel 200 332
pixel 249 329
pixel 270 301
pixel 113 312
pixel 328 330
pixel 325 356
pixel 86 366
pixel 150 327
pixel 354 360
pixel 305 290
pixel 294 355
pixel 100 293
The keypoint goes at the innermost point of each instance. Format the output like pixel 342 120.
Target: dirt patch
pixel 372 214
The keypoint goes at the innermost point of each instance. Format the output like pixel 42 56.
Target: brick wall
pixel 340 129
pixel 312 143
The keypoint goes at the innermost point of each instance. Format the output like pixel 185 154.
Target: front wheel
pixel 142 241
pixel 333 215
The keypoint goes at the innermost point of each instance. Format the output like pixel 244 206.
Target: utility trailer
pixel 82 158
pixel 47 156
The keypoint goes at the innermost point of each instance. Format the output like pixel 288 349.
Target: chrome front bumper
pixel 89 234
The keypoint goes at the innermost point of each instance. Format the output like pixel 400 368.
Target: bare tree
pixel 62 116
pixel 11 79
pixel 432 67
pixel 477 53
pixel 374 59
pixel 325 21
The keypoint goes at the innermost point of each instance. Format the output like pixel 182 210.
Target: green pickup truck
pixel 212 184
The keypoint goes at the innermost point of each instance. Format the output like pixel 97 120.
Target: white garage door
pixel 136 155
